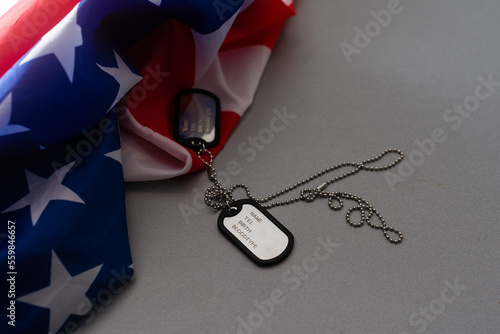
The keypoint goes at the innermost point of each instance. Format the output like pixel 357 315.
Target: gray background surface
pixel 395 91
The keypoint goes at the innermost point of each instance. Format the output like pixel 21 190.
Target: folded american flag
pixel 86 93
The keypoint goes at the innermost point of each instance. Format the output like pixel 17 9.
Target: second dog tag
pixel 197 118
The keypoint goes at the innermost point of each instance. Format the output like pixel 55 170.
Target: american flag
pixel 86 94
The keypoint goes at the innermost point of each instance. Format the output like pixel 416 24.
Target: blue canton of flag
pixel 66 204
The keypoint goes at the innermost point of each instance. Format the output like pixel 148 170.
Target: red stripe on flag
pixel 25 23
pixel 167 49
pixel 228 121
pixel 260 23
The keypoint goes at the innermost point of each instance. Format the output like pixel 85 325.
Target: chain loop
pixel 217 196
pixel 202 151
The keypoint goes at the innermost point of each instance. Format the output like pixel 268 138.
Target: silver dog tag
pixel 255 232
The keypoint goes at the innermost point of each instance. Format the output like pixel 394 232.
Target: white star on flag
pixel 123 75
pixel 65 295
pixel 116 155
pixel 5 116
pixel 43 190
pixel 60 41
pixel 156 2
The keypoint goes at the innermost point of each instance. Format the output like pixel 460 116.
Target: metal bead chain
pixel 219 197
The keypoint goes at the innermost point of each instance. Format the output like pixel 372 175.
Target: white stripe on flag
pixel 235 75
pixel 207 45
pixel 148 155
pixel 5 5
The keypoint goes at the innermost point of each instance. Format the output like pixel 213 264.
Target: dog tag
pixel 197 118
pixel 255 232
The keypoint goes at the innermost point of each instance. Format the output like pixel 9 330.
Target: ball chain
pixel 218 197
